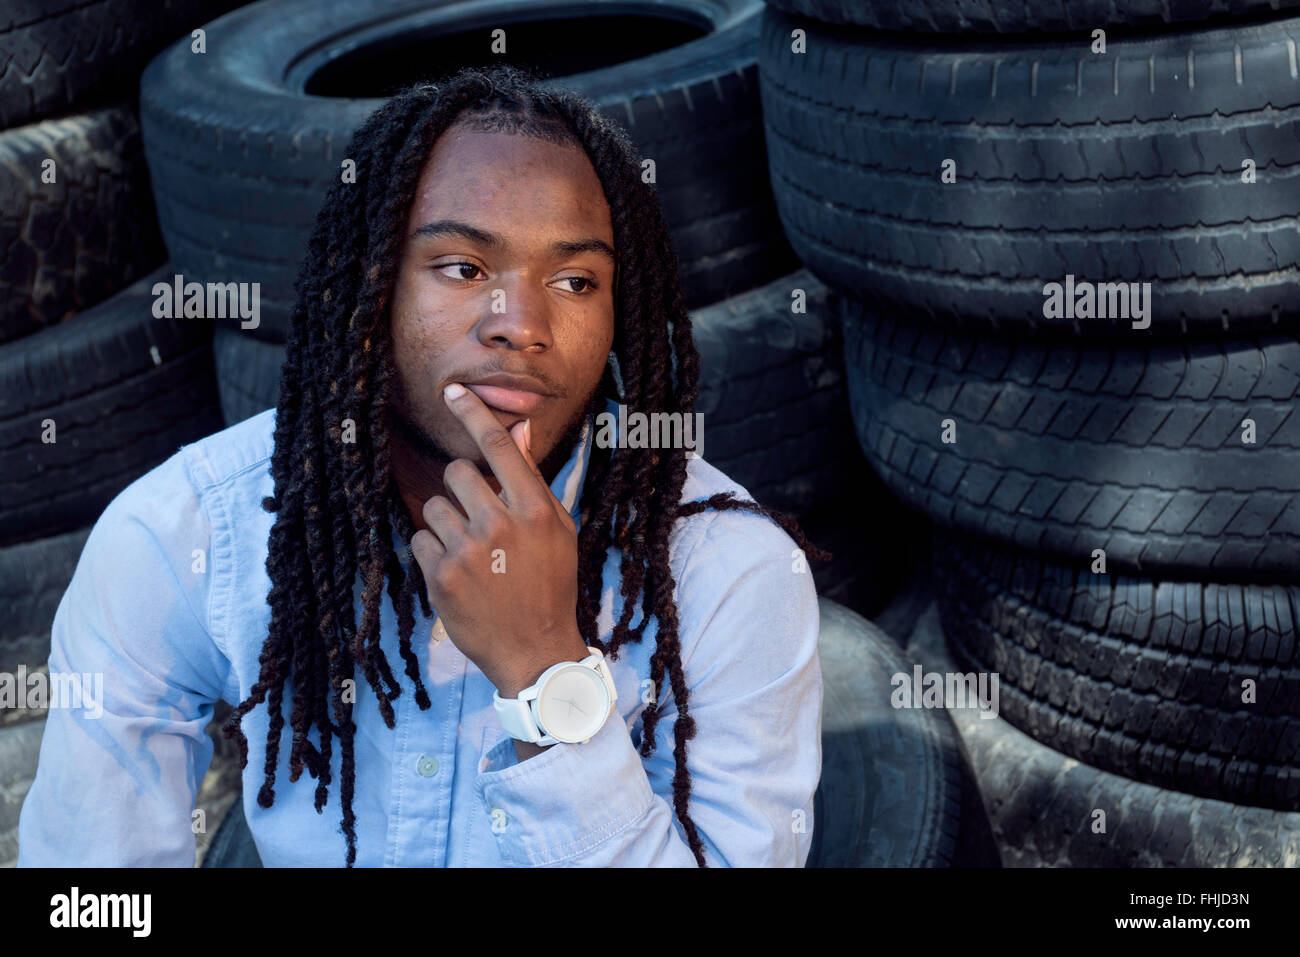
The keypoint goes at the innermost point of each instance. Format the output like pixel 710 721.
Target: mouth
pixel 517 395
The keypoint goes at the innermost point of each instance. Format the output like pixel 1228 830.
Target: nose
pixel 518 317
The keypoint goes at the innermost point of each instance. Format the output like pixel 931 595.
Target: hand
pixel 503 576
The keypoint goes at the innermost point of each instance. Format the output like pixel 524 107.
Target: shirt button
pixel 498 820
pixel 439 631
pixel 427 766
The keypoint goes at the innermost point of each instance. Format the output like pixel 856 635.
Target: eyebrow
pixel 454 227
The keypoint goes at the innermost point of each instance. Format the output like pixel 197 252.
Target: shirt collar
pixel 568 482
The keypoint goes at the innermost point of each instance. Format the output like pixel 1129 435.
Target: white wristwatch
pixel 568 703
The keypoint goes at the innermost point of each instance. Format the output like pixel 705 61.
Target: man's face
pixel 506 270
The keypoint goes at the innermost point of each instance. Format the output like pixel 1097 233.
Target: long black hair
pixel 336 503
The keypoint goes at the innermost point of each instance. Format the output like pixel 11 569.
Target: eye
pixel 460 265
pixel 582 279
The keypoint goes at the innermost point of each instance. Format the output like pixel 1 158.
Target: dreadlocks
pixel 336 503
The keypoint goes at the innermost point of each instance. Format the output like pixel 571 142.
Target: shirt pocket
pixel 480 842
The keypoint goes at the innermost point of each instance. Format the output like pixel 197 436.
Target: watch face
pixel 573 704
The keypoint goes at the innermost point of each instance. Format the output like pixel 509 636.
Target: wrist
pixel 510 682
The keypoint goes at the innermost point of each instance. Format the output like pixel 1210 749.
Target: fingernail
pixel 454 391
pixel 528 434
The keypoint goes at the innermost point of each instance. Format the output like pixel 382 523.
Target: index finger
pixel 503 456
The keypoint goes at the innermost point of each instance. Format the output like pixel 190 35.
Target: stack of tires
pixel 243 143
pixel 94 391
pixel 1066 244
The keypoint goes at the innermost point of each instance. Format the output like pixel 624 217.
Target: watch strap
pixel 518 715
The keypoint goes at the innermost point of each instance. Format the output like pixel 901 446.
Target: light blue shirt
pixel 169 603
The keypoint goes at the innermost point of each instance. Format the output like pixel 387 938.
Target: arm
pixel 116 781
pixel 748 628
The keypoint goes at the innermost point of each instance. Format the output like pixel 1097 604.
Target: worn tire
pixel 20 748
pixel 895 788
pixel 59 54
pixel 1142 678
pixel 33 578
pixel 233 844
pixel 124 390
pixel 1042 804
pixel 1022 16
pixel 74 242
pixel 1063 448
pixel 241 155
pixel 1109 168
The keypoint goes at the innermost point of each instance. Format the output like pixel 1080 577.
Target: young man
pixel 496 277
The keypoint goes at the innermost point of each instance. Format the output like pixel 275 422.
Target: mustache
pixel 554 386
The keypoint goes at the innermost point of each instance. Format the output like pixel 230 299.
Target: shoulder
pixel 737 537
pixel 194 500
pixel 238 450
pixel 746 602
pixel 214 460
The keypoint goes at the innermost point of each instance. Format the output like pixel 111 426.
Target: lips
pixel 507 400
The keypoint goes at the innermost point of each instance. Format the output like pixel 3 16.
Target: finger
pixel 445 522
pixel 463 480
pixel 426 549
pixel 498 448
pixel 521 432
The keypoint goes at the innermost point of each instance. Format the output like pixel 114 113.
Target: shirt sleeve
pixel 748 625
pixel 116 780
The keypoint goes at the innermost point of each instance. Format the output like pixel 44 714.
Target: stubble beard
pixel 435 456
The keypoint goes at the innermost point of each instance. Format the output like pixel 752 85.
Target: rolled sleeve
pixel 115 784
pixel 748 626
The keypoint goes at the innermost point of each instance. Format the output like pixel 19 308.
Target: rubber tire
pixel 771 390
pixel 241 157
pixel 1065 448
pixel 233 844
pixel 74 242
pixel 1042 803
pixel 895 782
pixel 1022 16
pixel 118 410
pixel 33 578
pixel 20 748
pixel 58 54
pixel 1121 702
pixel 1138 185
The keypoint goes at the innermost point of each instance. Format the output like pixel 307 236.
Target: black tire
pixel 772 393
pixel 895 789
pixel 1065 448
pixel 33 578
pixel 1022 16
pixel 1121 702
pixel 57 54
pixel 241 155
pixel 1107 168
pixel 124 390
pixel 233 844
pixel 1042 804
pixel 74 242
pixel 248 373
pixel 771 390
pixel 20 747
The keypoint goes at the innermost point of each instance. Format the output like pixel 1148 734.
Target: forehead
pixel 506 182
